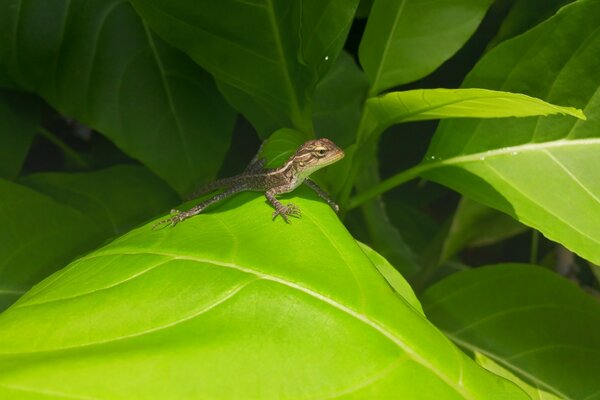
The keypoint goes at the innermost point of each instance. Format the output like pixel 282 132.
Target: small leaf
pixel 426 104
pixel 532 322
pixel 280 146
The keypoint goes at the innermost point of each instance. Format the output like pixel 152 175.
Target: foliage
pixel 111 112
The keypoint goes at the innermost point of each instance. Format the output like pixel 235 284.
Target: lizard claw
pixel 288 210
pixel 172 221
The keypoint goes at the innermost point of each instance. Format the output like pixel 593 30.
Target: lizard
pixel 308 158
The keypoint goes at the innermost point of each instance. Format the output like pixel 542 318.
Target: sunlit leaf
pixel 281 307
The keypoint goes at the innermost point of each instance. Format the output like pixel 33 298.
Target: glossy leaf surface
pixel 406 40
pixel 542 171
pixel 428 104
pixel 267 55
pixel 96 61
pixel 532 322
pixel 221 294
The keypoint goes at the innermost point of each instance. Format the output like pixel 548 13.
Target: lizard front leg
pixel 322 194
pixel 280 209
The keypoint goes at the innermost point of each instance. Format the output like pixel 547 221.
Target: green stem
pixel 68 152
pixel 535 244
pixel 389 183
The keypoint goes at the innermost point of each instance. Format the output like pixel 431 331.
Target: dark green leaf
pixel 408 39
pixel 97 62
pixel 115 198
pixel 266 54
pixel 19 119
pixel 281 307
pixel 339 99
pixel 532 322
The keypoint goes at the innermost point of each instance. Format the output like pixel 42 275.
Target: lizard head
pixel 316 154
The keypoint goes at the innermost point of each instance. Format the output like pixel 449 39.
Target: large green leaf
pixel 19 118
pixel 69 215
pixel 266 54
pixel 98 62
pixel 532 322
pixel 542 171
pixel 288 310
pixel 115 198
pixel 408 39
pixel 38 236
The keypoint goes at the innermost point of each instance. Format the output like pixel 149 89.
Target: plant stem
pixel 535 241
pixel 388 184
pixel 68 152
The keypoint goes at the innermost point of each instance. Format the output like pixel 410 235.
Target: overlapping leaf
pixel 532 322
pixel 282 308
pixel 406 40
pixel 98 62
pixel 267 55
pixel 541 171
pixel 67 215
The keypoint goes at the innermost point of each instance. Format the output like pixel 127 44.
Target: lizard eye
pixel 320 152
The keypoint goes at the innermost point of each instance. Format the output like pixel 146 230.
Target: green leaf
pixel 267 55
pixel 38 236
pixel 426 104
pixel 393 277
pixel 115 198
pixel 99 63
pixel 406 40
pixel 543 172
pixel 221 294
pixel 280 146
pixel 475 225
pixel 339 100
pixel 533 392
pixel 533 322
pixel 19 118
pixel 525 14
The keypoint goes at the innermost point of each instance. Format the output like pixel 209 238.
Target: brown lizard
pixel 308 158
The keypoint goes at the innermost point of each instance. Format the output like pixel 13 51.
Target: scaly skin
pixel 308 158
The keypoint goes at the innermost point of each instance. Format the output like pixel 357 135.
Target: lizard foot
pixel 286 211
pixel 176 218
